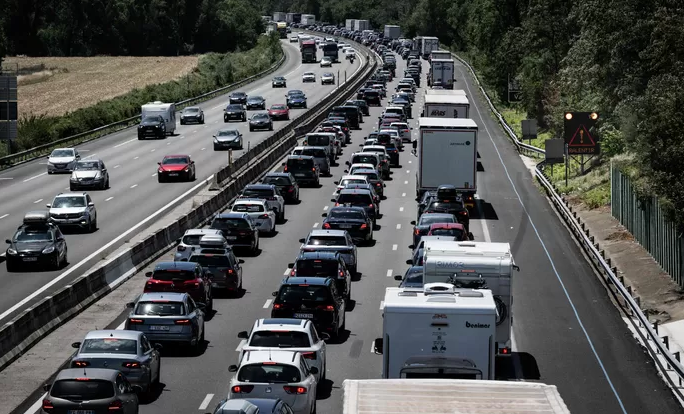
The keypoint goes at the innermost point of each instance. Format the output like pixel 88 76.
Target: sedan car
pixel 234 112
pixel 260 121
pixel 238 98
pixel 279 82
pixel 326 62
pixel 89 174
pixel 256 102
pixel 422 226
pixel 327 79
pixel 127 351
pixel 227 138
pixel 192 114
pixel 352 219
pixel 279 111
pixel 62 160
pixel 309 77
pixel 176 167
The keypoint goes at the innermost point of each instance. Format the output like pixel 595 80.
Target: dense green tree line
pixel 624 58
pixel 127 27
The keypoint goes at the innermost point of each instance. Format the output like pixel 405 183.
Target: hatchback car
pixel 256 102
pixel 359 198
pixel 373 178
pixel 286 184
pixel 322 263
pixel 260 121
pixel 422 226
pixel 89 174
pixel 228 138
pixel 361 104
pixel 258 211
pixel 279 82
pixel 192 114
pixel 182 277
pixel 279 111
pixel 270 194
pixel 62 160
pixel 309 77
pixel 73 210
pixel 38 241
pixel 456 230
pixel 320 156
pixel 327 79
pixel 234 112
pixel 223 268
pixel 238 229
pixel 176 167
pixel 191 242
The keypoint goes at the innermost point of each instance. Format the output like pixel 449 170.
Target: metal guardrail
pixel 93 134
pixel 646 331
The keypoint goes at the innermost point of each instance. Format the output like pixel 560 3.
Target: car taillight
pixel 294 390
pixel 371 205
pixel 277 306
pixel 309 355
pixel 463 213
pixel 326 225
pixel 115 405
pixel 285 169
pixel 327 308
pixel 181 248
pixel 337 204
pixel 229 271
pixel 135 321
pixel 416 232
pixel 341 273
pixel 81 363
pixel 290 189
pixel 263 216
pixel 377 184
pixel 182 322
pixel 242 389
pixel 313 169
pixel 363 226
pixel 131 364
pixel 47 405
pixel 193 282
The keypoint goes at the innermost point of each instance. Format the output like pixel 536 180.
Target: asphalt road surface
pixel 135 193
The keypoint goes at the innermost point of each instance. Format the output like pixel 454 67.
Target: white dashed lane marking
pixel 394 247
pixel 134 185
pixel 403 194
pixel 389 272
pixel 3 216
pixel 38 201
pixel 398 226
pixel 109 199
pixel 268 303
pixel 401 208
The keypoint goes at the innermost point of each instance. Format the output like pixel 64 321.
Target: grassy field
pixel 54 86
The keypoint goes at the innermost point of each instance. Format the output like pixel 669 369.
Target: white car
pixel 348 179
pixel 73 210
pixel 404 130
pixel 326 62
pixel 327 78
pixel 298 335
pixel 258 211
pixel 62 160
pixel 350 52
pixel 276 374
pixel 309 77
pixel 355 167
pixel 369 141
pixel 191 242
pixel 294 39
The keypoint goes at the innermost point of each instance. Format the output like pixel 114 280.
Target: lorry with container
pixel 442 396
pixel 361 25
pixel 308 20
pixel 308 50
pixel 446 106
pixel 349 24
pixel 476 265
pixel 427 45
pixel 281 28
pixel 293 18
pixel 439 332
pixel 441 73
pixel 280 17
pixel 447 154
pixel 445 92
pixel 392 31
pixel 331 50
pixel 166 110
pixel 440 54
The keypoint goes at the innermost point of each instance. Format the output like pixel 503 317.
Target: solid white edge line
pixel 268 303
pixel 287 272
pixel 382 304
pixel 125 142
pixel 206 401
pixel 4 215
pixel 36 405
pixel 315 225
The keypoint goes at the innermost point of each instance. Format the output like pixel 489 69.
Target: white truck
pixel 449 396
pixel 447 154
pixel 361 25
pixel 472 265
pixel 349 24
pixel 165 110
pixel 441 73
pixel 279 17
pixel 445 92
pixel 427 45
pixel 446 106
pixel 440 54
pixel 308 19
pixel 440 332
pixel 392 31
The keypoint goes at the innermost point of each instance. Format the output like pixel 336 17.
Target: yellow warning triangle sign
pixel 582 138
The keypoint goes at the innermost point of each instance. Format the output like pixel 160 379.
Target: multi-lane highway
pixel 135 193
pixel 567 332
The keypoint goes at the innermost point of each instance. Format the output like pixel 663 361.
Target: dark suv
pixel 234 112
pixel 323 264
pixel 358 198
pixel 433 203
pixel 372 97
pixel 238 229
pixel 238 98
pixel 222 266
pixel 286 184
pixel 314 298
pixel 303 168
pixel 181 277
pixel 351 113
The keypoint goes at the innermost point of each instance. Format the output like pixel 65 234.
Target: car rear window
pixel 109 346
pixel 269 373
pixel 172 274
pixel 315 267
pixel 82 390
pixel 249 208
pixel 364 159
pixel 370 174
pixel 280 339
pixel 277 180
pixel 426 219
pixel 357 215
pixel 355 199
pixel 210 260
pixel 458 233
pixel 318 141
pixel 316 153
pixel 304 293
pixel 162 308
pixel 299 165
pixel 192 240
pixel 229 224
pixel 449 205
pixel 327 241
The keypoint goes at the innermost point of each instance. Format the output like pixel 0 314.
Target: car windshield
pixel 346 214
pixel 230 224
pixel 68 202
pixel 82 389
pixel 280 339
pixel 256 98
pixel 413 276
pixel 161 308
pixel 277 180
pixel 327 241
pixel 457 233
pixel 354 199
pixel 309 74
pixel 109 346
pixel 316 267
pixel 295 92
pixel 372 175
pixel 450 205
pixel 348 181
pixel 259 117
pixel 278 107
pixel 249 208
pixel 33 235
pixel 62 153
pixel 269 373
pixel 191 110
pixel 318 140
pixel 238 95
pixel 175 160
pixel 429 219
pixel 364 159
pixel 210 260
pixel 228 133
pixel 279 78
pixel 327 74
pixel 314 152
pixel 234 107
pixel 173 274
pixel 87 165
pixel 299 165
pixel 304 293
pixel 257 192
pixel 297 96
pixel 151 119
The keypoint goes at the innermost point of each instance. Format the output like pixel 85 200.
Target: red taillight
pixel 313 169
pixel 263 216
pixel 326 225
pixel 416 232
pixel 328 308
pixel 131 364
pixel 337 204
pixel 285 169
pixel 230 271
pixel 505 351
pixel 181 248
pixel 192 282
pixel 293 272
pixel 309 355
pixel 135 321
pixel 242 389
pixel 115 405
pixel 277 306
pixel 371 205
pixel 294 390
pixel 290 189
pixel 463 213
pixel 81 363
pixel 363 226
pixel 377 184
pixel 183 322
pixel 47 404
pixel 341 273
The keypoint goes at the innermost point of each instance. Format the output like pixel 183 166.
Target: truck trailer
pixel 446 106
pixel 447 154
pixel 440 54
pixel 441 73
pixel 449 396
pixel 293 18
pixel 361 25
pixel 279 17
pixel 308 49
pixel 308 19
pixel 427 45
pixel 439 332
pixel 392 31
pixel 349 24
pixel 445 92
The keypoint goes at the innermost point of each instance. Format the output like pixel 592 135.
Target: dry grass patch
pixel 56 85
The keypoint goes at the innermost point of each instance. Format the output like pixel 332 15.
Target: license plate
pixel 81 412
pixel 173 175
pixel 215 285
pixel 345 226
pixel 30 259
pixel 303 315
pixel 159 328
pixel 231 237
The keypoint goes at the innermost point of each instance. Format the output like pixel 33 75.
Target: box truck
pixel 445 92
pixel 439 332
pixel 361 25
pixel 165 110
pixel 446 106
pixel 476 265
pixel 291 18
pixel 349 24
pixel 279 17
pixel 392 396
pixel 308 19
pixel 427 45
pixel 441 73
pixel 447 154
pixel 392 31
pixel 440 54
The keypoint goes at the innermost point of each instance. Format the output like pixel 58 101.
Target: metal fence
pixel 645 219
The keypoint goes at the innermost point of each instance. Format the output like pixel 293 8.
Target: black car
pixel 227 138
pixel 413 278
pixel 38 241
pixel 363 106
pixel 296 101
pixel 323 264
pixel 238 98
pixel 421 227
pixel 286 184
pixel 313 298
pixel 260 121
pixel 352 219
pixel 372 97
pixel 234 112
pixel 360 92
pixel 256 102
pixel 279 82
pixel 238 229
pixel 303 168
pixel 387 141
pixel 349 112
pixel 431 203
pixel 358 198
pixel 152 126
pixel 222 267
pixel 192 114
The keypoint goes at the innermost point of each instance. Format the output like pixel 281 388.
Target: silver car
pixel 127 351
pixel 89 174
pixel 227 138
pixel 191 242
pixel 332 241
pixel 258 211
pixel 167 317
pixel 74 209
pixel 62 160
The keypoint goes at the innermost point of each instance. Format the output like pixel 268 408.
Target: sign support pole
pixel 566 165
pixel 8 133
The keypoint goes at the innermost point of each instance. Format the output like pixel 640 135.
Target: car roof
pixel 356 191
pixel 267 324
pixel 445 215
pixel 175 265
pixel 302 157
pixel 366 170
pixel 176 156
pixel 327 233
pixel 348 208
pixel 259 186
pixel 250 201
pixel 91 373
pixel 318 255
pixel 233 215
pixel 71 194
pixel 113 333
pixel 277 174
pixel 353 177
pixel 365 153
pixel 372 147
pixel 272 355
pixel 168 296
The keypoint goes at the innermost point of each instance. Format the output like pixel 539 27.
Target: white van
pixel 165 110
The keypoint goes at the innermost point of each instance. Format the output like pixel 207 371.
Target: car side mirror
pixel 413 223
pixel 240 261
pixel 148 274
pixel 378 346
pixel 232 368
pixel 48 205
pixel 201 306
pixel 398 277
pixel 324 215
pixel 347 163
pixel 46 387
pixel 291 265
pixel 8 241
pixel 283 164
pixel 76 345
pixel 48 157
pixel 412 246
pixel 274 294
pixel 91 204
pixel 313 370
pixel 243 335
pixel 409 262
pixel 336 182
pixel 158 346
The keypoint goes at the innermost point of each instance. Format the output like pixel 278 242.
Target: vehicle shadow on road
pixel 484 211
pixel 324 390
pixel 153 395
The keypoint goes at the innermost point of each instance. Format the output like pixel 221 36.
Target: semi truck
pixel 435 396
pixel 308 19
pixel 331 50
pixel 392 31
pixel 447 154
pixel 279 17
pixel 440 54
pixel 349 24
pixel 428 44
pixel 308 49
pixel 441 73
pixel 439 332
pixel 361 25
pixel 446 106
pixel 291 18
pixel 445 92
pixel 478 265
pixel 281 27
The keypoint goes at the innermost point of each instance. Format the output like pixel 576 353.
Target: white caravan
pixel 165 110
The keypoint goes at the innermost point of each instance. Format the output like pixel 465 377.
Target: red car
pixel 181 277
pixel 176 167
pixel 456 230
pixel 279 111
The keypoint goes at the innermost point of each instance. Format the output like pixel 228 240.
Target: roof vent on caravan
pixel 438 289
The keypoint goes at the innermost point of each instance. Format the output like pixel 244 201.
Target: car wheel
pixel 244 118
pixel 273 230
pixel 160 179
pixel 72 188
pixel 313 408
pixel 182 122
pixel 349 293
pixel 56 262
pixel 11 266
pixel 93 226
pixel 210 304
pixel 270 128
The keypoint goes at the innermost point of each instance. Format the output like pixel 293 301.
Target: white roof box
pixel 212 240
pixel 37 217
